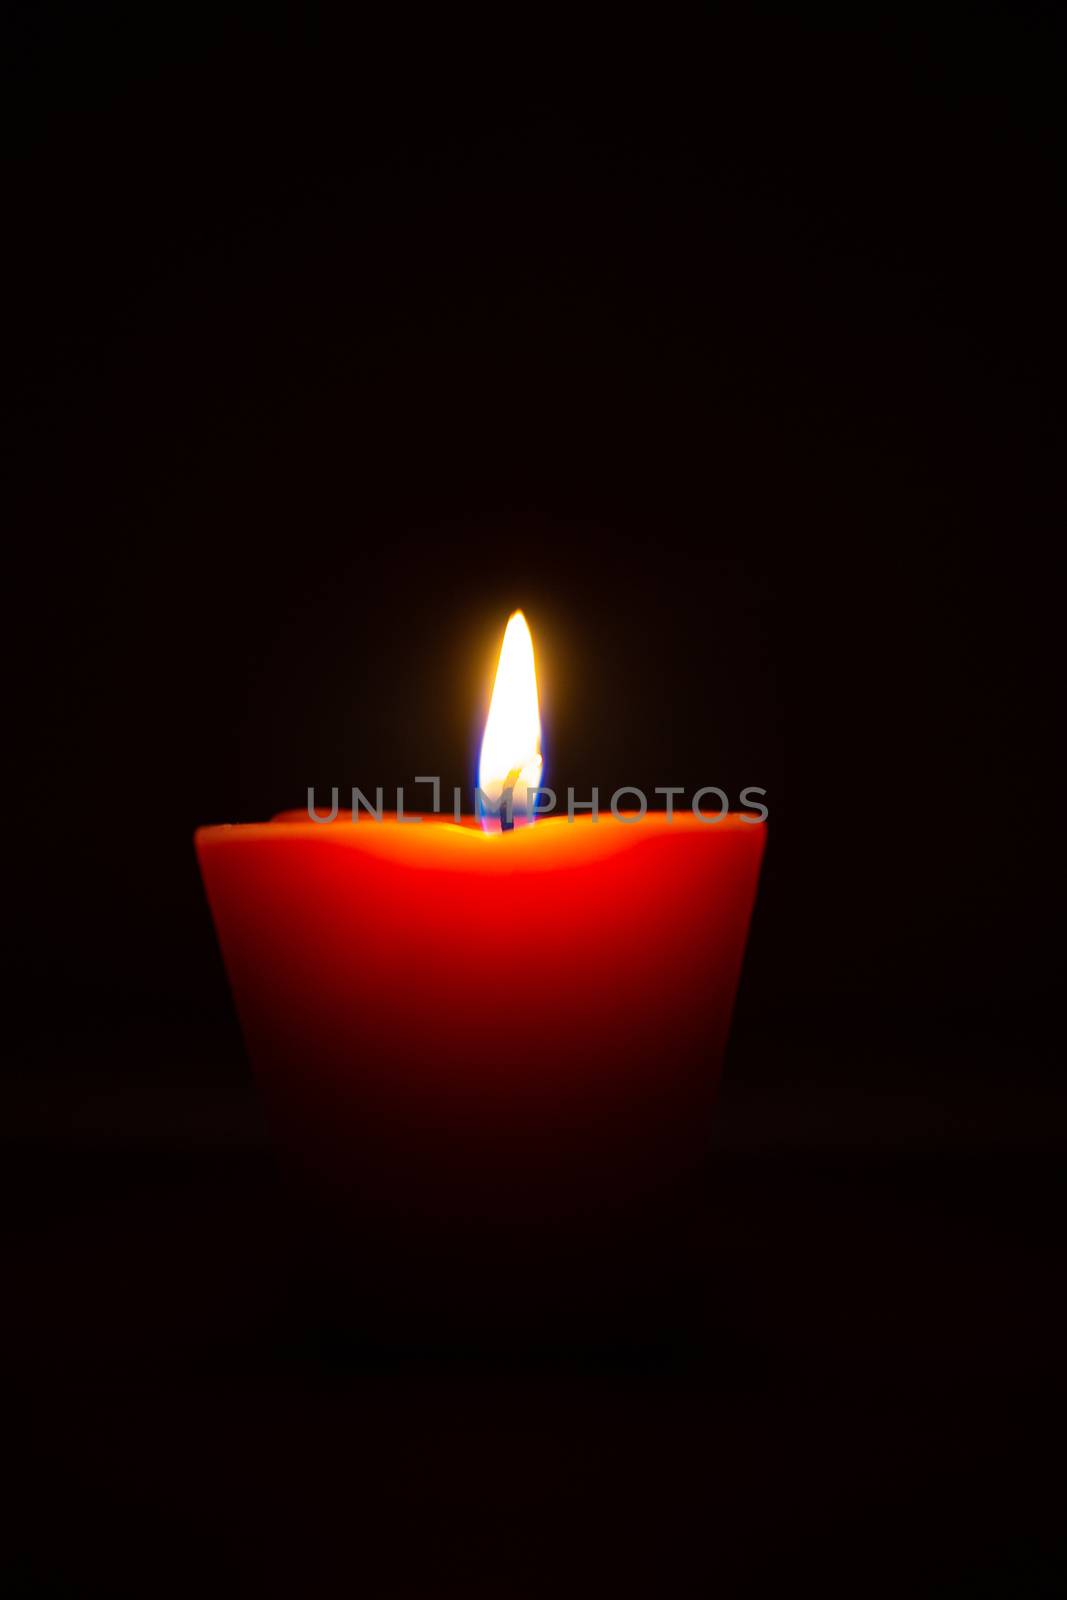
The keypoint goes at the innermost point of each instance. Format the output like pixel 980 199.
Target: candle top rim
pixel 342 829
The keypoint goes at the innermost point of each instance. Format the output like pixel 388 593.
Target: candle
pixel 490 1051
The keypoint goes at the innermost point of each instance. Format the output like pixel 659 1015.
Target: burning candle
pixel 489 1048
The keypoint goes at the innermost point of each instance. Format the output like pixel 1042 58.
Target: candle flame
pixel 510 764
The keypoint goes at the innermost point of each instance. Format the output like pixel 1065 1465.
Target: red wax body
pixel 493 1057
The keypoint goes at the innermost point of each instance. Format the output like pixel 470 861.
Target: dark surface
pixel 870 1392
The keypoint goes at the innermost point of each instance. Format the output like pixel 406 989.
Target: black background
pixel 734 356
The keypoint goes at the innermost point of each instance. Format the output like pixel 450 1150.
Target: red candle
pixel 492 1055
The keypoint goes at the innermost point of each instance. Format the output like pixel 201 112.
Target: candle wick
pixel 507 801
